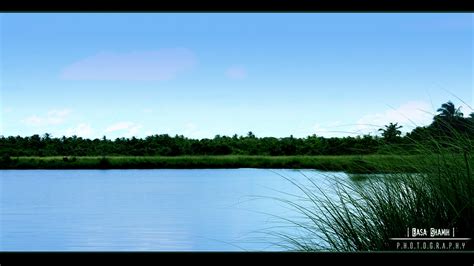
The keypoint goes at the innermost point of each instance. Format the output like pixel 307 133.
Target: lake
pixel 144 210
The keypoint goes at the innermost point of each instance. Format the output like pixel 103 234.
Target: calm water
pixel 155 210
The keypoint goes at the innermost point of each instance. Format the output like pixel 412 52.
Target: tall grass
pixel 351 163
pixel 363 212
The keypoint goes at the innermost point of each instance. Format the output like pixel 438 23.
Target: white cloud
pixel 334 129
pixel 130 128
pixel 133 131
pixel 148 110
pixel 33 120
pixel 118 126
pixel 53 117
pixel 82 130
pixel 7 110
pixel 163 64
pixel 409 115
pixel 236 72
pixel 57 116
pixel 191 130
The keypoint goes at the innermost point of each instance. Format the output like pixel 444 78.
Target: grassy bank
pixel 353 163
pixel 364 212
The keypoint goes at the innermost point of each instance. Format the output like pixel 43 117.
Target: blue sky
pixel 200 74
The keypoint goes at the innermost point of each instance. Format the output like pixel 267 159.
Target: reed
pixel 362 212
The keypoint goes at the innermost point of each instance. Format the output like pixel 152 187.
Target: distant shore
pixel 349 163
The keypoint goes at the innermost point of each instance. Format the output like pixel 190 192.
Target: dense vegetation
pixel 164 145
pixel 364 212
pixel 348 163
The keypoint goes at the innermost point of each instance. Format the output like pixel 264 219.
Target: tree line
pixel 448 123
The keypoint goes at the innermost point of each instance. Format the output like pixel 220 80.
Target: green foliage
pixel 362 212
pixel 449 111
pixel 446 124
pixel 391 133
pixel 165 145
pixel 348 163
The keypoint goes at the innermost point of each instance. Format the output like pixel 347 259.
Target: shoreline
pixel 345 163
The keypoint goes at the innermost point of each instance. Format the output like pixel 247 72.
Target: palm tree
pixel 391 132
pixel 449 111
pixel 450 120
pixel 47 136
